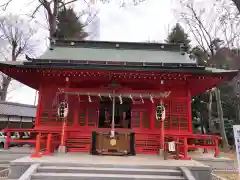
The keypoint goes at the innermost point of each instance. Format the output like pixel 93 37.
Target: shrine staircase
pixel 106 172
pixel 79 142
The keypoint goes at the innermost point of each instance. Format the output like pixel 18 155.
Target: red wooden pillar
pixel 37 154
pixel 217 152
pixel 185 149
pixel 49 145
pixel 39 106
pixel 7 143
pixel 63 134
pixel 189 106
pixel 152 116
pixel 86 112
pixel 162 135
pixel 62 147
pixel 76 114
pixel 162 128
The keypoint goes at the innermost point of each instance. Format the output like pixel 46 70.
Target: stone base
pixel 217 163
pixel 62 149
pixel 161 152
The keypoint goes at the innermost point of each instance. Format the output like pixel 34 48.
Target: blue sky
pixel 149 21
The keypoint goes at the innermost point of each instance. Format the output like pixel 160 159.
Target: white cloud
pixel 147 21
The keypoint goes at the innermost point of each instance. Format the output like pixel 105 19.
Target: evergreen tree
pixel 70 26
pixel 199 55
pixel 178 35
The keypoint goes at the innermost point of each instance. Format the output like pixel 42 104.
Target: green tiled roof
pixel 118 51
pixel 94 54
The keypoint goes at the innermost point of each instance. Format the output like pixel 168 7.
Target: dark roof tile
pixel 17 109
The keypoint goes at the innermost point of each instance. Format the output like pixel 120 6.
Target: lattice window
pixel 146 120
pixel 140 118
pixel 82 117
pixel 179 115
pixel 135 119
pixel 92 117
pixel 179 108
pixel 49 116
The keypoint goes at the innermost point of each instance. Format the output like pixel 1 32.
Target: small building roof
pixel 17 109
pixel 117 51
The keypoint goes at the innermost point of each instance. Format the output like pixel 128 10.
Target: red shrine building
pixel 113 91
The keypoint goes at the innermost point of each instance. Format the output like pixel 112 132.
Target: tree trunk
pixel 210 113
pixel 54 16
pixel 237 89
pixel 202 123
pixel 52 26
pixel 5 84
pixel 221 120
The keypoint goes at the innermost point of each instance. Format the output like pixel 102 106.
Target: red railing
pixel 191 141
pixel 149 143
pixel 145 142
pixel 45 142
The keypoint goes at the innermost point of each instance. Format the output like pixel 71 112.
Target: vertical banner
pixel 236 131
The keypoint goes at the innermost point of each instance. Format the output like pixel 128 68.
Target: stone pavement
pixel 82 158
pixel 6 156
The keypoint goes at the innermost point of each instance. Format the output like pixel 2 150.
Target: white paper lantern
pixel 63 110
pixel 160 112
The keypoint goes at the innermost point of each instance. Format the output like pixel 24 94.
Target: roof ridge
pixel 17 104
pixel 118 45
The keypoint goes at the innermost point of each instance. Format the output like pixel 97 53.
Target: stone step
pixel 87 176
pixel 110 166
pixel 4 161
pixel 107 170
pixel 3 166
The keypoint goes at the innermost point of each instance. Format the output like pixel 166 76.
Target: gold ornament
pixel 113 142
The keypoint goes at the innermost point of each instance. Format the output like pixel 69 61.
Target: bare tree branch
pixel 17 36
pixel 36 10
pixel 5 5
pixel 218 22
pixel 64 4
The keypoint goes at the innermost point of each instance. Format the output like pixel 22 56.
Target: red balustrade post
pixel 205 144
pixel 37 154
pixel 8 139
pixel 217 152
pixel 185 148
pixel 49 145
